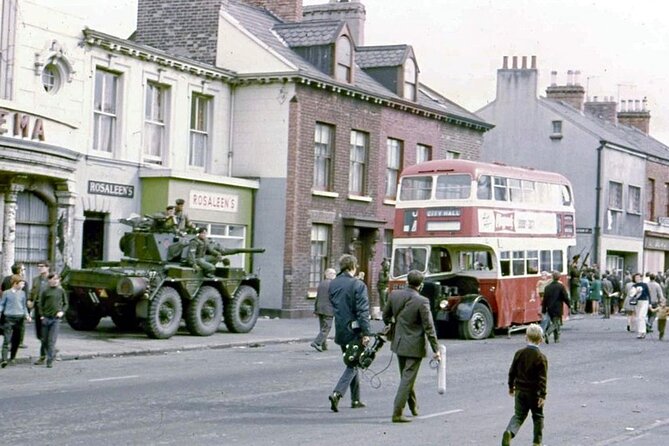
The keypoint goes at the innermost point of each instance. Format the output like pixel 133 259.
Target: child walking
pixel 527 384
pixel 661 313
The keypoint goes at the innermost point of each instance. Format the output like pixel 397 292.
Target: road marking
pixel 605 381
pixel 640 432
pixel 438 414
pixel 113 378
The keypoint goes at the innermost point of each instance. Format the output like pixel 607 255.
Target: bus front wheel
pixel 479 326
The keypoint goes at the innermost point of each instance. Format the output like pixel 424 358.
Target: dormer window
pixel 344 59
pixel 410 80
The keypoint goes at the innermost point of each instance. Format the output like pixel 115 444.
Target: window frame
pixel 100 114
pixel 358 165
pixel 615 191
pixel 201 104
pixel 633 192
pixel 410 79
pixel 159 122
pixel 423 153
pixel 323 162
pixel 321 237
pixel 394 162
pixel 343 63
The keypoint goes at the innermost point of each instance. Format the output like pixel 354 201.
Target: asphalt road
pixel 605 388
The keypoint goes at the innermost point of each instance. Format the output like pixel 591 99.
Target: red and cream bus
pixel 482 234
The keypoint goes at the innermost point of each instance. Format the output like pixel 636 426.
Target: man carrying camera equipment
pixel 350 303
pixel 413 321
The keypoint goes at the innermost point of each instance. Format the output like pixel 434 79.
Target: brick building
pixel 323 122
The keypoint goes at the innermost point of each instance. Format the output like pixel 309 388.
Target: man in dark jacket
pixel 323 309
pixel 350 303
pixel 555 294
pixel 528 376
pixel 413 321
pixel 52 306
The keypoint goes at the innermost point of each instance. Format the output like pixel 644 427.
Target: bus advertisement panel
pixel 482 234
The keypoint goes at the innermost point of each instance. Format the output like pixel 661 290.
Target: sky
pixel 621 47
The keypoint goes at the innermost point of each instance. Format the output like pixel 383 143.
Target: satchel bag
pixel 389 330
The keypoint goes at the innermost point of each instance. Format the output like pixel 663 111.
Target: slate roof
pixel 270 30
pixel 381 56
pixel 312 33
pixel 621 135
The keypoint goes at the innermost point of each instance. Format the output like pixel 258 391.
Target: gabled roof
pixel 382 56
pixel 621 135
pixel 312 33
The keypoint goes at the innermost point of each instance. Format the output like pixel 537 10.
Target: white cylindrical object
pixel 441 371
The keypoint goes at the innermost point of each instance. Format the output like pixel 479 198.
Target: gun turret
pixel 230 252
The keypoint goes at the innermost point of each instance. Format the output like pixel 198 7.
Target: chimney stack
pixel 604 109
pixel 572 93
pixel 515 83
pixel 286 10
pixel 352 11
pixel 635 113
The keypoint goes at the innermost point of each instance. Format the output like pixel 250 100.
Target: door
pixel 32 232
pixel 92 247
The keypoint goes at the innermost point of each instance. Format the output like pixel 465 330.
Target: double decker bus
pixel 482 234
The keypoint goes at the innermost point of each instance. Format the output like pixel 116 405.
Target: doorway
pixel 93 240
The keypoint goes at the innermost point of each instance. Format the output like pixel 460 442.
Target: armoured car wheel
pixel 203 315
pixel 479 326
pixel 164 314
pixel 80 316
pixel 125 319
pixel 241 313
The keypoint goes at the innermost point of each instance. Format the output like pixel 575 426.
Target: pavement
pixel 108 341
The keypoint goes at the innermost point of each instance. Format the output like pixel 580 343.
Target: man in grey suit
pixel 413 321
pixel 323 309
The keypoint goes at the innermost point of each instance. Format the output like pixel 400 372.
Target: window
pixel 532 262
pixel 615 195
pixel 556 127
pixel 423 153
pixel 358 162
pixel 387 243
pixel 666 191
pixel 518 263
pixel 344 59
pixel 323 138
pixel 394 153
pixel 154 122
pixel 416 188
pixel 453 187
pixel 320 241
pixel 450 155
pixel 634 200
pixel 483 188
pixel 199 130
pixel 406 259
pixel 51 78
pixel 545 261
pixel 104 111
pixel 410 80
pixel 500 189
pixel 650 199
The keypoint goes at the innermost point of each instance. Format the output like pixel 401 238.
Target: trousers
pixel 525 402
pixel 405 393
pixel 50 328
pixel 325 323
pixel 348 379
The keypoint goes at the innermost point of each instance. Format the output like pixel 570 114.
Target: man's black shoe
pixel 357 405
pixel 401 419
pixel 334 401
pixel 317 347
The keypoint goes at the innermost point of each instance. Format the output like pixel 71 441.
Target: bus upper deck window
pixel 415 188
pixel 566 196
pixel 484 188
pixel 454 187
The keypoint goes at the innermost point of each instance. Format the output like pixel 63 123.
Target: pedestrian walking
pixel 413 323
pixel 52 306
pixel 528 376
pixel 661 313
pixel 14 311
pixel 642 296
pixel 39 285
pixel 350 303
pixel 656 296
pixel 555 295
pixel 323 309
pixel 595 296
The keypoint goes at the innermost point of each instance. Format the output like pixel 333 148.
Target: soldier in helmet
pixel 182 220
pixel 203 254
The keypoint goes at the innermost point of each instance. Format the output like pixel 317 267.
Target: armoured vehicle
pixel 154 286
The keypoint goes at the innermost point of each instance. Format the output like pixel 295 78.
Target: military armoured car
pixel 155 285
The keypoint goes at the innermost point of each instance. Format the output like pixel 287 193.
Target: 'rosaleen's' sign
pixel 111 189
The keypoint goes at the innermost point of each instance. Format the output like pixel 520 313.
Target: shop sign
pixel 584 230
pixel 212 201
pixel 21 125
pixel 111 189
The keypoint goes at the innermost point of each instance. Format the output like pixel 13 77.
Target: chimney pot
pixel 534 62
pixel 637 105
pixel 577 77
pixel 505 62
pixel 553 78
pixel 524 63
pixel 515 62
pixel 570 77
pixel 644 104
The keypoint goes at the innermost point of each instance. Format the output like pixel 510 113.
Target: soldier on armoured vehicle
pixel 203 253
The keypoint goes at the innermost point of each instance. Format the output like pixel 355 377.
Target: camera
pixel 357 355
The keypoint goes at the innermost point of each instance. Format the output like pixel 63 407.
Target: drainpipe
pixel 231 111
pixel 598 200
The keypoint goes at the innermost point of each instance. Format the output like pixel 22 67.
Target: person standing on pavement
pixel 323 309
pixel 14 311
pixel 607 291
pixel 642 296
pixel 575 283
pixel 39 285
pixel 20 269
pixel 52 306
pixel 413 322
pixel 350 303
pixel 595 295
pixel 656 296
pixel 528 376
pixel 555 294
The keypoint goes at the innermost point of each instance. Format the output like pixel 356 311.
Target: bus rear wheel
pixel 479 326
